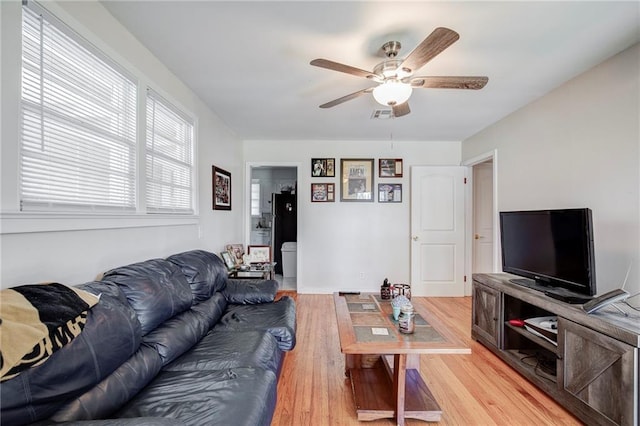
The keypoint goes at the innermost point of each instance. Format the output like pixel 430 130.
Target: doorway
pixel 482 260
pixel 484 244
pixel 272 217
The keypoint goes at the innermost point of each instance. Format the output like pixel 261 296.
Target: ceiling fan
pixel 395 76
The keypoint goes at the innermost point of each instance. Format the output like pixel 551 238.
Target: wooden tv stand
pixel 593 371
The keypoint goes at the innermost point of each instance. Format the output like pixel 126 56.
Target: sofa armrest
pixel 250 292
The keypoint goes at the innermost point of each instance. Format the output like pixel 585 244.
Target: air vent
pixel 381 114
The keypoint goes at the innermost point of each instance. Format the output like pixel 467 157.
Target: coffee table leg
pixel 399 384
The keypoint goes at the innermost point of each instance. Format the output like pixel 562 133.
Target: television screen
pixel 552 247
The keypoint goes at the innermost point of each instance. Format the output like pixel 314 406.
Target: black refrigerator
pixel 285 225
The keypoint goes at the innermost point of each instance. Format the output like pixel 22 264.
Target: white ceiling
pixel 249 61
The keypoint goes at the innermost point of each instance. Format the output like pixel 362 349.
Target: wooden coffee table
pixel 383 363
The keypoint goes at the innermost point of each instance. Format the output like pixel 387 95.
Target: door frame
pixel 469 206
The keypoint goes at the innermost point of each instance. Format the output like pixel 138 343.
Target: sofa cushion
pixel 156 289
pixel 249 292
pixel 221 350
pixel 115 390
pixel 278 318
pixel 177 335
pixel 110 289
pixel 110 336
pixel 211 309
pixel 205 272
pixel 37 320
pixel 241 396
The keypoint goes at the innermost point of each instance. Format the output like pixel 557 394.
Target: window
pixel 255 197
pixel 78 148
pixel 169 157
pixel 79 130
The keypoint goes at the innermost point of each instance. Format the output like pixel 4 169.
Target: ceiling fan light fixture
pixel 392 92
pixel 395 75
pixel 391 69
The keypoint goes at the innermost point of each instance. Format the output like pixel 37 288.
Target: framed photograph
pixel 389 192
pixel 259 254
pixel 228 259
pixel 237 252
pixel 221 182
pixel 322 192
pixel 323 167
pixel 356 183
pixel 390 167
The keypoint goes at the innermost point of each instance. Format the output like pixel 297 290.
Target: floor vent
pixel 381 114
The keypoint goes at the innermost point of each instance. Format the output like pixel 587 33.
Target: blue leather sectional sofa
pixel 171 342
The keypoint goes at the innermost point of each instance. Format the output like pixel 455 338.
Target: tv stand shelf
pixel 535 339
pixel 593 371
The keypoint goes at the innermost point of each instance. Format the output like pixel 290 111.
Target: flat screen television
pixel 552 249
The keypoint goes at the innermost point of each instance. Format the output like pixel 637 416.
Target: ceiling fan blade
pixel 473 83
pixel 402 109
pixel 336 66
pixel 436 42
pixel 346 98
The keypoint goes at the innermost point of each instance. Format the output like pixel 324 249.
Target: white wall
pixel 578 146
pixel 339 241
pixel 73 249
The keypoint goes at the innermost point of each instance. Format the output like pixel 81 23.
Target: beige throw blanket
pixel 36 321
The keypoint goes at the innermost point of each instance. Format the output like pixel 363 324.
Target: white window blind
pixel 169 157
pixel 78 122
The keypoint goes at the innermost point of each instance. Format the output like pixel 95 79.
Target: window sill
pixel 21 223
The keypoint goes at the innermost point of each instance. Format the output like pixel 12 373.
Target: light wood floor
pixel 476 389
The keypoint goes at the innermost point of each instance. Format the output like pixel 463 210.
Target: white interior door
pixel 437 231
pixel 483 217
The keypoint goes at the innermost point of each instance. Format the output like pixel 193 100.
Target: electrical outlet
pixel 362 275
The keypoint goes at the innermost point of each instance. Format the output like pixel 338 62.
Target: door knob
pixel 478 236
pixel 415 238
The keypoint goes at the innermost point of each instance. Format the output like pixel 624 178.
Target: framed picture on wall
pixel 323 167
pixel 389 192
pixel 322 192
pixel 356 182
pixel 221 183
pixel 390 167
